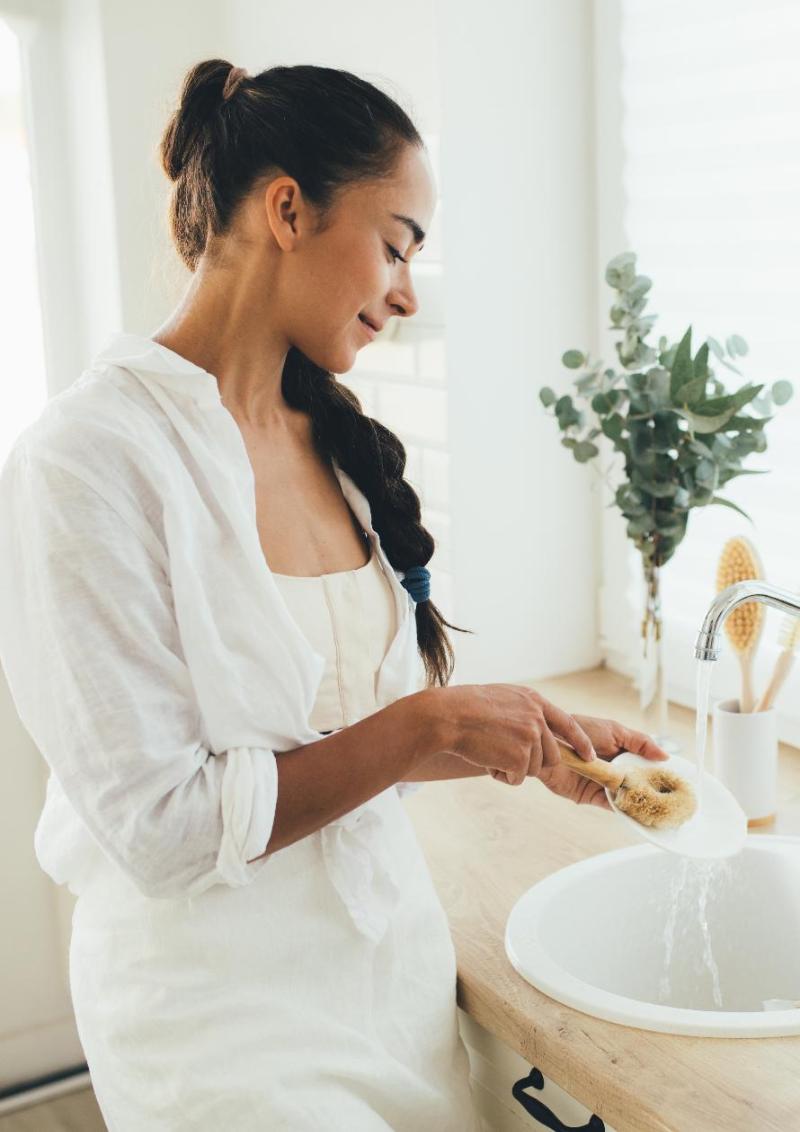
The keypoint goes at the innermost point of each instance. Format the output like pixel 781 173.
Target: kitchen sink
pixel 649 939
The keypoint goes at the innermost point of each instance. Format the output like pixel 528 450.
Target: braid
pixel 375 459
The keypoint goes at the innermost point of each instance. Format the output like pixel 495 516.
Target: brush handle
pixel 598 770
pixel 747 698
pixel 783 666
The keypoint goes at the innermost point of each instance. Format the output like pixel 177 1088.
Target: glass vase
pixel 652 680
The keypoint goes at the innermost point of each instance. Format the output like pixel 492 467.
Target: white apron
pixel 318 995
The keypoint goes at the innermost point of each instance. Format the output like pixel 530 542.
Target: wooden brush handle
pixel 598 770
pixel 783 666
pixel 747 699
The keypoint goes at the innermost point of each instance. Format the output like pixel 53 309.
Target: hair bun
pixel 233 82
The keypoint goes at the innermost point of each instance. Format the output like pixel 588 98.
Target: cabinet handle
pixel 542 1113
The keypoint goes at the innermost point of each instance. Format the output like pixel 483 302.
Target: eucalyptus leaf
pixel 612 426
pixel 682 368
pixel 547 396
pixel 640 286
pixel 706 472
pixel 671 522
pixel 745 423
pixel 621 270
pixel 704 424
pixel 733 506
pixel 738 399
pixel 585 383
pixel 693 393
pixel 640 524
pixel 573 359
pixel 601 403
pixel 659 489
pixel 782 392
pixel 584 451
pixel 701 362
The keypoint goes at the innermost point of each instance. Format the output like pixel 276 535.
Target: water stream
pixel 693 879
pixel 704 671
pixel 692 882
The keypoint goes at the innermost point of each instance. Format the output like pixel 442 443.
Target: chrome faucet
pixel 707 646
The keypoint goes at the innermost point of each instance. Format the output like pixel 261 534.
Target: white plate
pixel 717 828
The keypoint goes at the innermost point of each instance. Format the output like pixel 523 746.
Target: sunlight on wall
pixel 24 389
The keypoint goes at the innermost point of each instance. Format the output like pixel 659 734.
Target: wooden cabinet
pixel 514 1096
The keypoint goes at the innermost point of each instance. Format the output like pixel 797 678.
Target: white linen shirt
pixel 147 647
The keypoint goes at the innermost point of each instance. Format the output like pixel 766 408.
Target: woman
pixel 228 696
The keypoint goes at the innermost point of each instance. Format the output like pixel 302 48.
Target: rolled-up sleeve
pixel 91 652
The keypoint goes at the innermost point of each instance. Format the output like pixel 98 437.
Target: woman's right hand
pixel 507 728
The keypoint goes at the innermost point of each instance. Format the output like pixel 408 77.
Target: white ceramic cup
pixel 746 758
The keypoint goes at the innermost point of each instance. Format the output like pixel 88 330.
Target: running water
pixel 707 870
pixel 677 886
pixel 692 882
pixel 704 671
pixel 692 879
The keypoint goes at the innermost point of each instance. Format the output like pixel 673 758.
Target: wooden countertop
pixel 487 843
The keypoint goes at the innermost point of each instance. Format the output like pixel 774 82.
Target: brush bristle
pixel 739 562
pixel 659 798
pixel 789 634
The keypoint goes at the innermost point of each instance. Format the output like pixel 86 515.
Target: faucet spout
pixel 707 646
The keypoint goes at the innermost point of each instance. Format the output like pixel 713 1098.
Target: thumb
pixel 641 744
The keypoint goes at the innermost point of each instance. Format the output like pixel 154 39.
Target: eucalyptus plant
pixel 681 433
pixel 683 436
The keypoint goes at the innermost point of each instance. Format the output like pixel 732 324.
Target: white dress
pixel 310 990
pixel 251 1014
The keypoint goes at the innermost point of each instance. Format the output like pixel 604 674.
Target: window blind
pixel 710 133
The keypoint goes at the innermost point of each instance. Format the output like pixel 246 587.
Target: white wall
pixel 519 251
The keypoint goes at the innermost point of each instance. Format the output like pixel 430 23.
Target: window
pixel 709 198
pixel 24 390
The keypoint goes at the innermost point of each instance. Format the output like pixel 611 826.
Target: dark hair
pixel 327 129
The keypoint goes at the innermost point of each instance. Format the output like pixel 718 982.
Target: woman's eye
pixel 395 253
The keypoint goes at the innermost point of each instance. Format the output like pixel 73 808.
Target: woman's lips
pixel 368 329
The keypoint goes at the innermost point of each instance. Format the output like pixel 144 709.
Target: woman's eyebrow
pixel 412 225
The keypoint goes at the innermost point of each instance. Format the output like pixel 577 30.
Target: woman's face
pixel 353 267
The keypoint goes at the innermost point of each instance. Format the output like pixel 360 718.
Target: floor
pixel 74 1112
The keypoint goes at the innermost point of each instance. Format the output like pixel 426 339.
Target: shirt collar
pixel 146 356
pixel 176 373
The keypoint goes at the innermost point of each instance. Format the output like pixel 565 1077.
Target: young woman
pixel 214 605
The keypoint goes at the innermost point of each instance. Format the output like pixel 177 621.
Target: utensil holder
pixel 746 759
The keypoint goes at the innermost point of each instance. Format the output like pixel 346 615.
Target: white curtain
pixel 710 191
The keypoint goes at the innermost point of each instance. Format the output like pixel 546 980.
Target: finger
pixel 568 728
pixel 536 755
pixel 550 752
pixel 641 744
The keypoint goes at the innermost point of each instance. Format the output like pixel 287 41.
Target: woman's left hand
pixel 608 738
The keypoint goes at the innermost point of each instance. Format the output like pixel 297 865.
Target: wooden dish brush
pixel 739 562
pixel 655 797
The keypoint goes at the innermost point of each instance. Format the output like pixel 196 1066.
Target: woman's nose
pixel 404 300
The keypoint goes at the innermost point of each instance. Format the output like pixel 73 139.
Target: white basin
pixel 645 938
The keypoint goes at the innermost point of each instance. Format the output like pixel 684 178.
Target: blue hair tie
pixel 417 582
